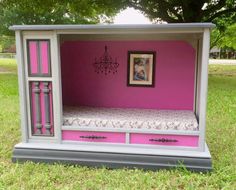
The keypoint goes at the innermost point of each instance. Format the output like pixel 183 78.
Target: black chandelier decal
pixel 105 64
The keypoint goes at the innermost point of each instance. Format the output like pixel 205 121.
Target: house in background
pixel 222 53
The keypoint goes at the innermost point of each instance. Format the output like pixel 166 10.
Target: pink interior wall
pixel 174 75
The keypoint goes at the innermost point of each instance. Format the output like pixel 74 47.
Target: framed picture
pixel 141 68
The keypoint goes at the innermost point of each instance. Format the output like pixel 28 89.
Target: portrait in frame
pixel 141 68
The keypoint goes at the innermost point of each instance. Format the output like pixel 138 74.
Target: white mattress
pixel 130 118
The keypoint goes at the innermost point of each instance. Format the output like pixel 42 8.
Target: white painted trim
pixel 195 74
pixel 43 140
pixel 57 91
pixel 37 34
pixel 22 86
pixel 203 87
pixel 130 37
pixel 199 66
pixel 39 78
pixel 27 87
pixel 141 146
pixel 132 31
pixel 116 149
pixel 172 26
pixel 127 138
pixel 170 132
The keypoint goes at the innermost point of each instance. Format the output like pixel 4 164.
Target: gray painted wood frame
pixel 43 35
pixel 112 160
pixel 203 86
pixel 53 33
pixel 22 86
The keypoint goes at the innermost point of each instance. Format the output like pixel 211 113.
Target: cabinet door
pixel 39 86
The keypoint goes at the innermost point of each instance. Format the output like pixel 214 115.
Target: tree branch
pixel 214 8
pixel 226 11
pixel 214 43
pixel 161 14
pixel 173 11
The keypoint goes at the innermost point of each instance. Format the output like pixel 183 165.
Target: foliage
pixel 221 139
pixel 6 43
pixel 52 12
pixel 179 11
pixel 220 12
pixel 228 40
pixel 224 30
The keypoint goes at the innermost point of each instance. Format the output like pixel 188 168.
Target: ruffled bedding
pixel 126 118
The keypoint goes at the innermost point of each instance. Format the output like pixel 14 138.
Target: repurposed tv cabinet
pixel 114 95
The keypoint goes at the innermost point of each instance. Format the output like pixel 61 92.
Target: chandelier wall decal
pixel 105 64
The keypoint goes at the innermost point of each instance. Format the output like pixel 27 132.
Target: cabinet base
pixel 111 160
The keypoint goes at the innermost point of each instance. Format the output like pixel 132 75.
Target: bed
pixel 129 118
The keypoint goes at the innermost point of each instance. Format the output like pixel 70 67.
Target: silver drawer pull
pixel 92 137
pixel 163 140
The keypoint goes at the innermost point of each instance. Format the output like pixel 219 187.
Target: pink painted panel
pixel 33 111
pixel 44 45
pixel 51 109
pixel 174 78
pixel 183 140
pixel 43 111
pixel 109 136
pixel 42 105
pixel 33 57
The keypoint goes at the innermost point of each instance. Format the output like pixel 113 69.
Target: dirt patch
pixel 4 70
pixel 223 73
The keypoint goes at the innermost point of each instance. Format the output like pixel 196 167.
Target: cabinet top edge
pixel 171 27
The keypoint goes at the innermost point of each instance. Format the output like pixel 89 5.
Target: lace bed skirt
pixel 127 118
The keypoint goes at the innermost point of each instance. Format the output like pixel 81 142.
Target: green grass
pixel 7 65
pixel 221 138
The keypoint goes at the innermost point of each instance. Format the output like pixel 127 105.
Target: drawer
pixel 168 140
pixel 90 136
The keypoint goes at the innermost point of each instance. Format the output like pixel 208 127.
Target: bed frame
pixel 50 58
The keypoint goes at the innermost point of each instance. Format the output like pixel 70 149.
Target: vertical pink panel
pixel 51 109
pixel 33 57
pixel 33 111
pixel 42 105
pixel 44 56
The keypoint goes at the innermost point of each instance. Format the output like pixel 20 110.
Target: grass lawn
pixel 8 65
pixel 221 138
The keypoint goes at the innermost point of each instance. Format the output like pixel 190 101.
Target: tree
pixel 7 43
pixel 52 12
pixel 222 25
pixel 220 12
pixel 183 11
pixel 229 38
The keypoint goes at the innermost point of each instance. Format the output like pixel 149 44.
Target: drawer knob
pixel 92 137
pixel 163 140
